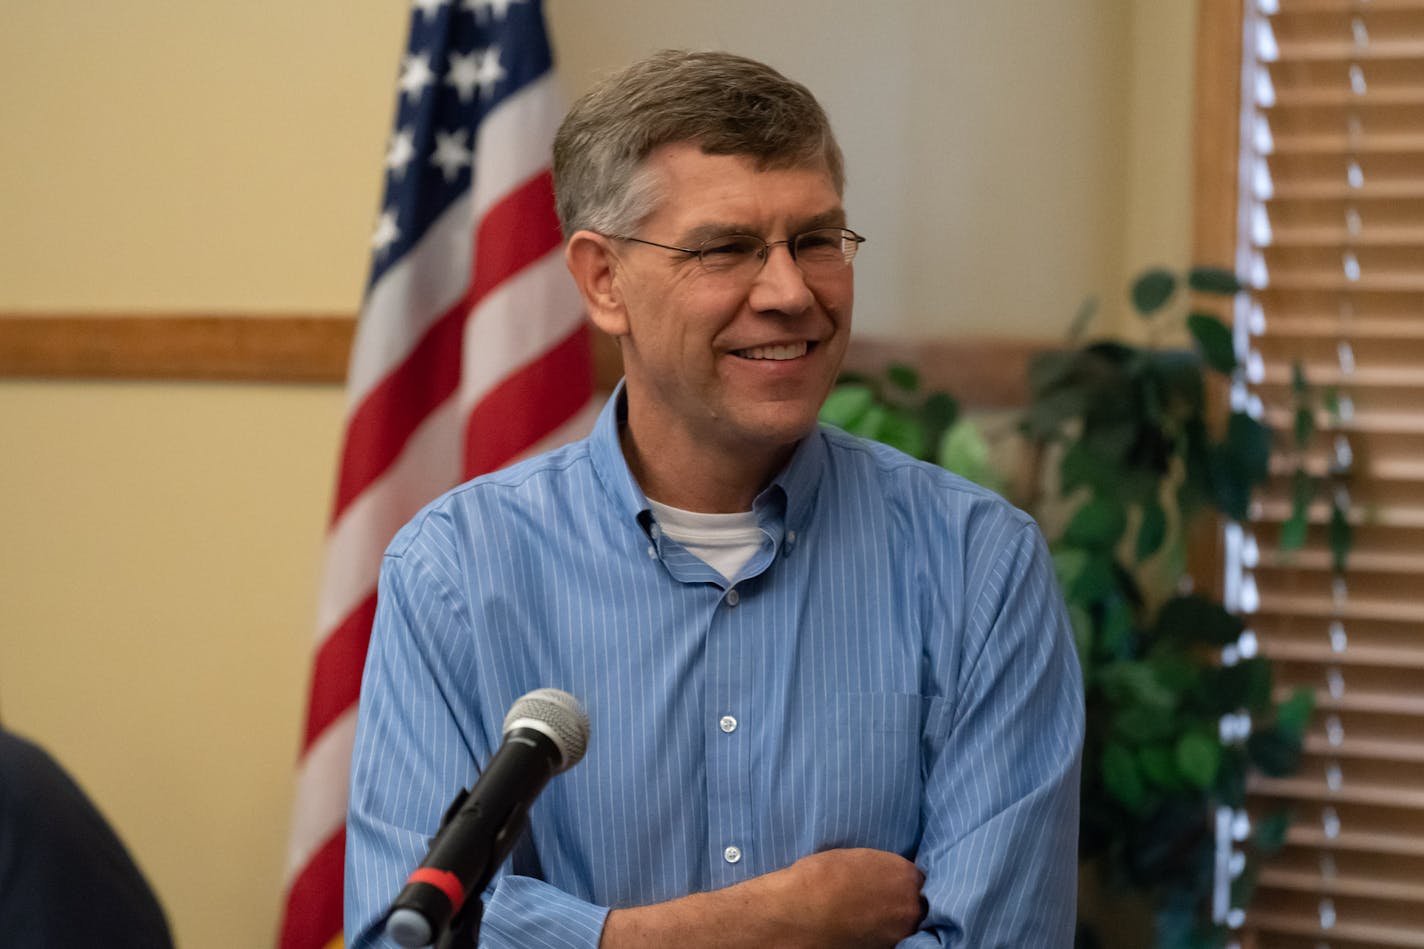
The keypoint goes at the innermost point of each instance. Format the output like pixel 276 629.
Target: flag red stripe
pixel 518 230
pixel 336 671
pixel 515 233
pixel 312 917
pixel 529 403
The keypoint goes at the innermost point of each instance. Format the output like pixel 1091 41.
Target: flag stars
pixel 464 74
pixel 415 76
pixel 428 8
pixel 400 152
pixel 387 232
pixel 450 153
pixel 490 71
pixel 499 9
pixel 479 69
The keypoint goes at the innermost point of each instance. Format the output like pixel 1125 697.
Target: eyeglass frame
pixel 790 242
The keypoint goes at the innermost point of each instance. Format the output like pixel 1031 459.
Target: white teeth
pixel 788 351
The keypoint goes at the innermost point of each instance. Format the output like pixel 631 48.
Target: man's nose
pixel 780 284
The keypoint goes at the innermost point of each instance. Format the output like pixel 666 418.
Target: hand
pixel 850 898
pixel 837 899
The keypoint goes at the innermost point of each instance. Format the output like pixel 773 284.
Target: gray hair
pixel 726 104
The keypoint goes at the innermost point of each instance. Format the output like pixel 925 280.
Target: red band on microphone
pixel 445 882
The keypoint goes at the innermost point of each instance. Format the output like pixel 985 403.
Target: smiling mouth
pixel 777 353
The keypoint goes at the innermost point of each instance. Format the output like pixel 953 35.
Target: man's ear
pixel 594 266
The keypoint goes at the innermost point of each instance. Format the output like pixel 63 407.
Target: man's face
pixel 729 363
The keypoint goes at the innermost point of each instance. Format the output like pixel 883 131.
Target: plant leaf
pixel 1097 579
pixel 940 409
pixel 1194 619
pixel 1274 752
pixel 1304 427
pixel 1069 563
pixel 1198 756
pixel 1136 684
pixel 870 422
pixel 1342 537
pixel 1270 833
pixel 1294 713
pixel 1152 531
pixel 899 429
pixel 1098 525
pixel 1294 531
pixel 1121 777
pixel 903 377
pixel 964 451
pixel 1116 631
pixel 846 404
pixel 1213 339
pixel 1152 290
pixel 1250 444
pixel 1217 280
pixel 1159 764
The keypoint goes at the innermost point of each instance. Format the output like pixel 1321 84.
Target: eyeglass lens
pixel 822 250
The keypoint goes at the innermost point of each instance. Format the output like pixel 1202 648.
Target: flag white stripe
pixel 513 326
pixel 322 793
pixel 409 298
pixel 429 465
pixel 516 324
pixel 431 278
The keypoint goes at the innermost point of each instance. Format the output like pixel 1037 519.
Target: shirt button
pixel 732 854
pixel 727 723
pixel 733 597
pixel 791 537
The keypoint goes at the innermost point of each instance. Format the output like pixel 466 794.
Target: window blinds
pixel 1330 204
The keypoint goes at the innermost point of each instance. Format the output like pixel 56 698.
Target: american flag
pixel 471 351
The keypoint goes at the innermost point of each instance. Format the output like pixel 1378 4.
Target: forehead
pixel 702 191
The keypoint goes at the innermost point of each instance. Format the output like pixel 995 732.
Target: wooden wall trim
pixel 982 372
pixel 1216 131
pixel 257 348
pixel 1216 141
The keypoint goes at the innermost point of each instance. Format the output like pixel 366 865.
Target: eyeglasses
pixel 820 252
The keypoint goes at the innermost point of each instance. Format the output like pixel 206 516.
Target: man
pixel 833 698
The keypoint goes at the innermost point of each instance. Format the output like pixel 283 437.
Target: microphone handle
pixel 478 831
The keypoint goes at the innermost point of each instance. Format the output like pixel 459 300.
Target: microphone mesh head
pixel 557 714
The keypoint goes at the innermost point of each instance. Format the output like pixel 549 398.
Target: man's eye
pixel 819 242
pixel 728 253
pixel 728 247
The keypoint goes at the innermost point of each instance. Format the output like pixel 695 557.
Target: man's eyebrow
pixel 834 217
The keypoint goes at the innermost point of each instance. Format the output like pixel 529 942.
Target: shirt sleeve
pixel 413 752
pixel 999 849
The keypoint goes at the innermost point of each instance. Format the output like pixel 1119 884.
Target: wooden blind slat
pixel 1375 887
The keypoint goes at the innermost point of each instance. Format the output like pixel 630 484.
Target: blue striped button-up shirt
pixel 892 669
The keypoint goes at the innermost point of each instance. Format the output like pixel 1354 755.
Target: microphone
pixel 545 733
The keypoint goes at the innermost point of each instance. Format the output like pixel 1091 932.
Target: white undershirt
pixel 725 542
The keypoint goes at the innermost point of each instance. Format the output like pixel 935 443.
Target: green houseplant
pixel 1129 457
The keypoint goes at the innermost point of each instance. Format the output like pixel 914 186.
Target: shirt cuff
pixel 525 912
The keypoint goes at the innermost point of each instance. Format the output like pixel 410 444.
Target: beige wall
pixel 161 541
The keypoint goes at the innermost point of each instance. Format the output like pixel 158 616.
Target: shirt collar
pixel 791 494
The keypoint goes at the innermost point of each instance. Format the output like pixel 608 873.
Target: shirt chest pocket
pixel 869 788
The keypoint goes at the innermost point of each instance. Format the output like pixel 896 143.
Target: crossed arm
pixel 837 898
